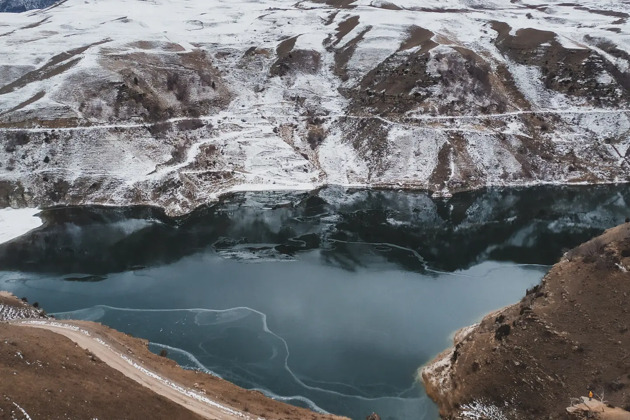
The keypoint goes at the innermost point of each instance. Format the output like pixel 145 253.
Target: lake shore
pixel 47 359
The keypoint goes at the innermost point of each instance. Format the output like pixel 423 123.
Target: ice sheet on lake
pixel 237 344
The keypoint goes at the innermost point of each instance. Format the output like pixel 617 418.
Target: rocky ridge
pixel 172 105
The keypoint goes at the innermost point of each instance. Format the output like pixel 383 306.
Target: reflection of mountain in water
pixel 406 228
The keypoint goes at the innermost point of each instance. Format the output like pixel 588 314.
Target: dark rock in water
pixel 88 278
pixel 373 416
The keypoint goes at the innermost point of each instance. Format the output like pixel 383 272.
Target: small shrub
pixel 592 250
pixel 182 92
pixel 502 332
pixel 179 86
pixel 159 129
pixel 179 153
pixel 171 81
pixel 18 138
pixel 315 137
pixel 190 124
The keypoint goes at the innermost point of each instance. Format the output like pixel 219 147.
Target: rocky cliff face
pixel 535 359
pixel 119 102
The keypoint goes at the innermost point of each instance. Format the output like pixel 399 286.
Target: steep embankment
pixel 535 359
pixel 75 369
pixel 169 104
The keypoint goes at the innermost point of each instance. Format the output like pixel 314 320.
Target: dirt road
pixel 134 369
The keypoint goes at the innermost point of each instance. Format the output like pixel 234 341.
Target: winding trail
pixel 134 369
pixel 236 117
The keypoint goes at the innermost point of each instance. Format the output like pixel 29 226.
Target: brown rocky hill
pixel 533 360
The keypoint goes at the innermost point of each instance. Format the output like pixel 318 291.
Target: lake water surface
pixel 330 299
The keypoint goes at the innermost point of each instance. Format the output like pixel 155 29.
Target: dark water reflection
pixel 408 229
pixel 350 292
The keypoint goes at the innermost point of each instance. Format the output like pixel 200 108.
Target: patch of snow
pixel 438 372
pixel 17 222
pixel 23 411
pixel 341 162
pixel 12 313
pixel 463 333
pixel 604 78
pixel 478 410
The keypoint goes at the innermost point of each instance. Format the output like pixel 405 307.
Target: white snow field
pixel 17 222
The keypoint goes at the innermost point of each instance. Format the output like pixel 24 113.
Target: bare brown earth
pixel 418 37
pixel 50 377
pixel 75 369
pixel 537 358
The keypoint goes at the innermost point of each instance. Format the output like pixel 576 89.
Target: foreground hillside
pixel 172 104
pixel 74 369
pixel 535 359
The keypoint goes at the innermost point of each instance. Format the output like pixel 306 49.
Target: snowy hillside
pixel 18 6
pixel 173 103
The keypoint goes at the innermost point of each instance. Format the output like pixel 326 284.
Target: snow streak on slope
pixel 172 103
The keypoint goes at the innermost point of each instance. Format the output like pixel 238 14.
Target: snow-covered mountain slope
pixel 172 103
pixel 17 6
